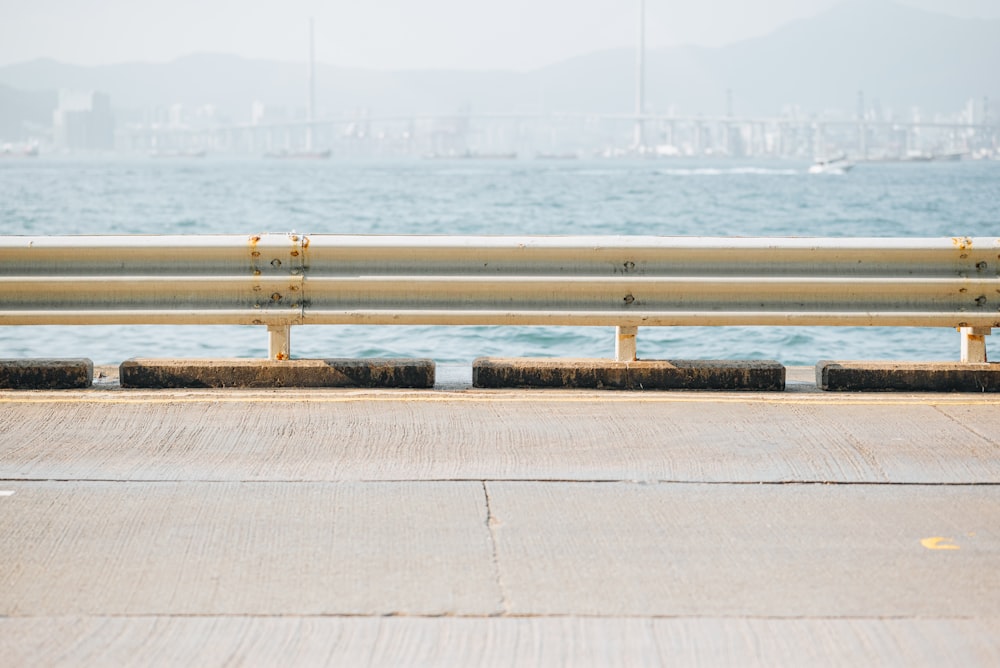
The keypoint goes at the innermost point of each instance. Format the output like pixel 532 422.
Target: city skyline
pixel 393 34
pixel 906 72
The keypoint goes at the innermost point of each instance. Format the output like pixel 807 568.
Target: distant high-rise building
pixel 84 122
pixel 257 112
pixel 970 111
pixel 261 113
pixel 177 115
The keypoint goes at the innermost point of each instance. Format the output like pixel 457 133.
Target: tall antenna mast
pixel 311 109
pixel 640 78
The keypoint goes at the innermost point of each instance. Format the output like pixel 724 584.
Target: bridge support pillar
pixel 279 339
pixel 625 343
pixel 974 344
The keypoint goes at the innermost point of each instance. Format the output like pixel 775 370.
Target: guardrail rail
pixel 283 280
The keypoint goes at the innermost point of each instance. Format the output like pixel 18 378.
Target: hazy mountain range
pixel 901 56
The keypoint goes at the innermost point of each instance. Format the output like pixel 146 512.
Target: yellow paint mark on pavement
pixel 939 543
pixel 474 396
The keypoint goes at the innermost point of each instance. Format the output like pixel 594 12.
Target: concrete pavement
pixel 477 527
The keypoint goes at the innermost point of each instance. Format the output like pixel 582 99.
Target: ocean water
pixel 519 197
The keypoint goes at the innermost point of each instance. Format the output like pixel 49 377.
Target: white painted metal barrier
pixel 281 280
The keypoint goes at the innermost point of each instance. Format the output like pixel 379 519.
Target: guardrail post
pixel 279 342
pixel 625 343
pixel 974 344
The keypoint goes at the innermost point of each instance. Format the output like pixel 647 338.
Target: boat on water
pixel 197 153
pixel 299 155
pixel 837 165
pixel 471 155
pixel 10 151
pixel 556 156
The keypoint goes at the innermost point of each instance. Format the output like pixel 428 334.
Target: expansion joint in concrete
pixel 491 526
pixel 966 426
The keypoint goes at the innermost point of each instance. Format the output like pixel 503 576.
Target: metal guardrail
pixel 281 280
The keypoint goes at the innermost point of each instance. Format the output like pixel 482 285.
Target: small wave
pixel 735 171
pixel 598 172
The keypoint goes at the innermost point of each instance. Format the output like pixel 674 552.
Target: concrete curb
pixel 907 377
pixel 46 374
pixel 638 375
pixel 249 373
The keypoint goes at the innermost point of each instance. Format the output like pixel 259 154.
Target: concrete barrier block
pixel 250 373
pixel 637 375
pixel 759 375
pixel 525 372
pixel 907 377
pixel 46 374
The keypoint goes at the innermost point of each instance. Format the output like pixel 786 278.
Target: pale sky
pixel 390 34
